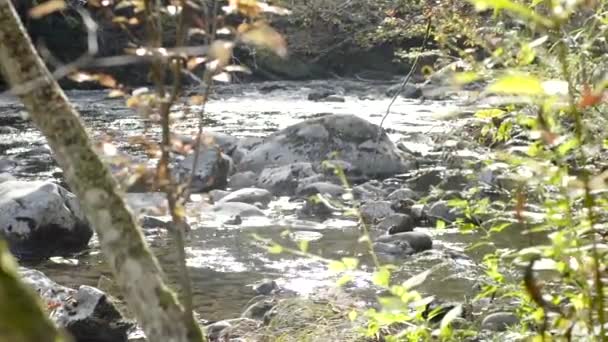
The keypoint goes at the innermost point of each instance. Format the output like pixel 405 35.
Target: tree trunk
pixel 135 268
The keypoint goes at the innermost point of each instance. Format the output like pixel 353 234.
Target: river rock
pixel 397 248
pixel 216 195
pixel 248 195
pixel 320 188
pixel 318 140
pixel 241 180
pixel 424 179
pixel 41 219
pixel 499 321
pixel 234 209
pixel 417 240
pixel 212 169
pixel 409 91
pixel 318 95
pixel 402 194
pixel 87 313
pixel 284 180
pixel 396 223
pixel 372 212
pixel 441 211
pixel 369 191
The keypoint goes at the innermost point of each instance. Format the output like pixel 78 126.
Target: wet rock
pixel 317 207
pixel 8 130
pixel 147 221
pixel 265 89
pixel 409 91
pixel 283 180
pixel 248 195
pixel 397 248
pixel 369 191
pixel 41 219
pixel 265 287
pixel 233 209
pixel 7 164
pixel 217 195
pixel 417 240
pixel 259 309
pixel 151 203
pixel 241 180
pixel 396 223
pixel 212 169
pixel 372 212
pixel 333 98
pixel 499 321
pixel 320 188
pixel 317 95
pixel 231 329
pixel 87 313
pixel 418 212
pixel 441 211
pixel 317 140
pixel 402 194
pixel 425 179
pixel 4 177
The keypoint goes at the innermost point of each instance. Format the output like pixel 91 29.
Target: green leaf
pixel 352 315
pixel 303 245
pixel 489 113
pixel 517 84
pixel 382 277
pixel 521 11
pixel 567 146
pixel 350 263
pixel 416 280
pixel 467 77
pixel 275 249
pixel 440 224
pixel 345 279
pixel 337 266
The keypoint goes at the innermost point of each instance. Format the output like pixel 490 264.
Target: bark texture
pixel 135 268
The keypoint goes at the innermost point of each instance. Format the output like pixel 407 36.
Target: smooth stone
pixel 396 223
pixel 499 321
pixel 317 95
pixel 402 194
pixel 371 212
pixel 441 211
pixel 333 98
pixel 234 209
pixel 265 287
pixel 399 248
pixel 241 180
pixel 284 180
pixel 248 195
pixel 417 240
pixel 41 219
pixel 217 195
pixel 259 309
pixel 320 188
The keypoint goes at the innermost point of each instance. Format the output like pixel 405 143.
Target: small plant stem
pixel 589 201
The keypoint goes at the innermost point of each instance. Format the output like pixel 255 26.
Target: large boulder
pixel 346 137
pixel 87 314
pixel 41 219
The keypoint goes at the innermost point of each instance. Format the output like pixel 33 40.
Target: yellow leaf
pixel 262 35
pixel 352 315
pixel 46 8
pixel 115 93
pixel 222 77
pixel 106 81
pixel 196 100
pixel 517 84
pixel 82 77
pixel 221 51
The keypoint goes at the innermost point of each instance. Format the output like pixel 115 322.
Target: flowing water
pixel 223 260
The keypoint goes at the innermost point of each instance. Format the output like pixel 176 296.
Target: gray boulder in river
pixel 87 313
pixel 41 219
pixel 344 137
